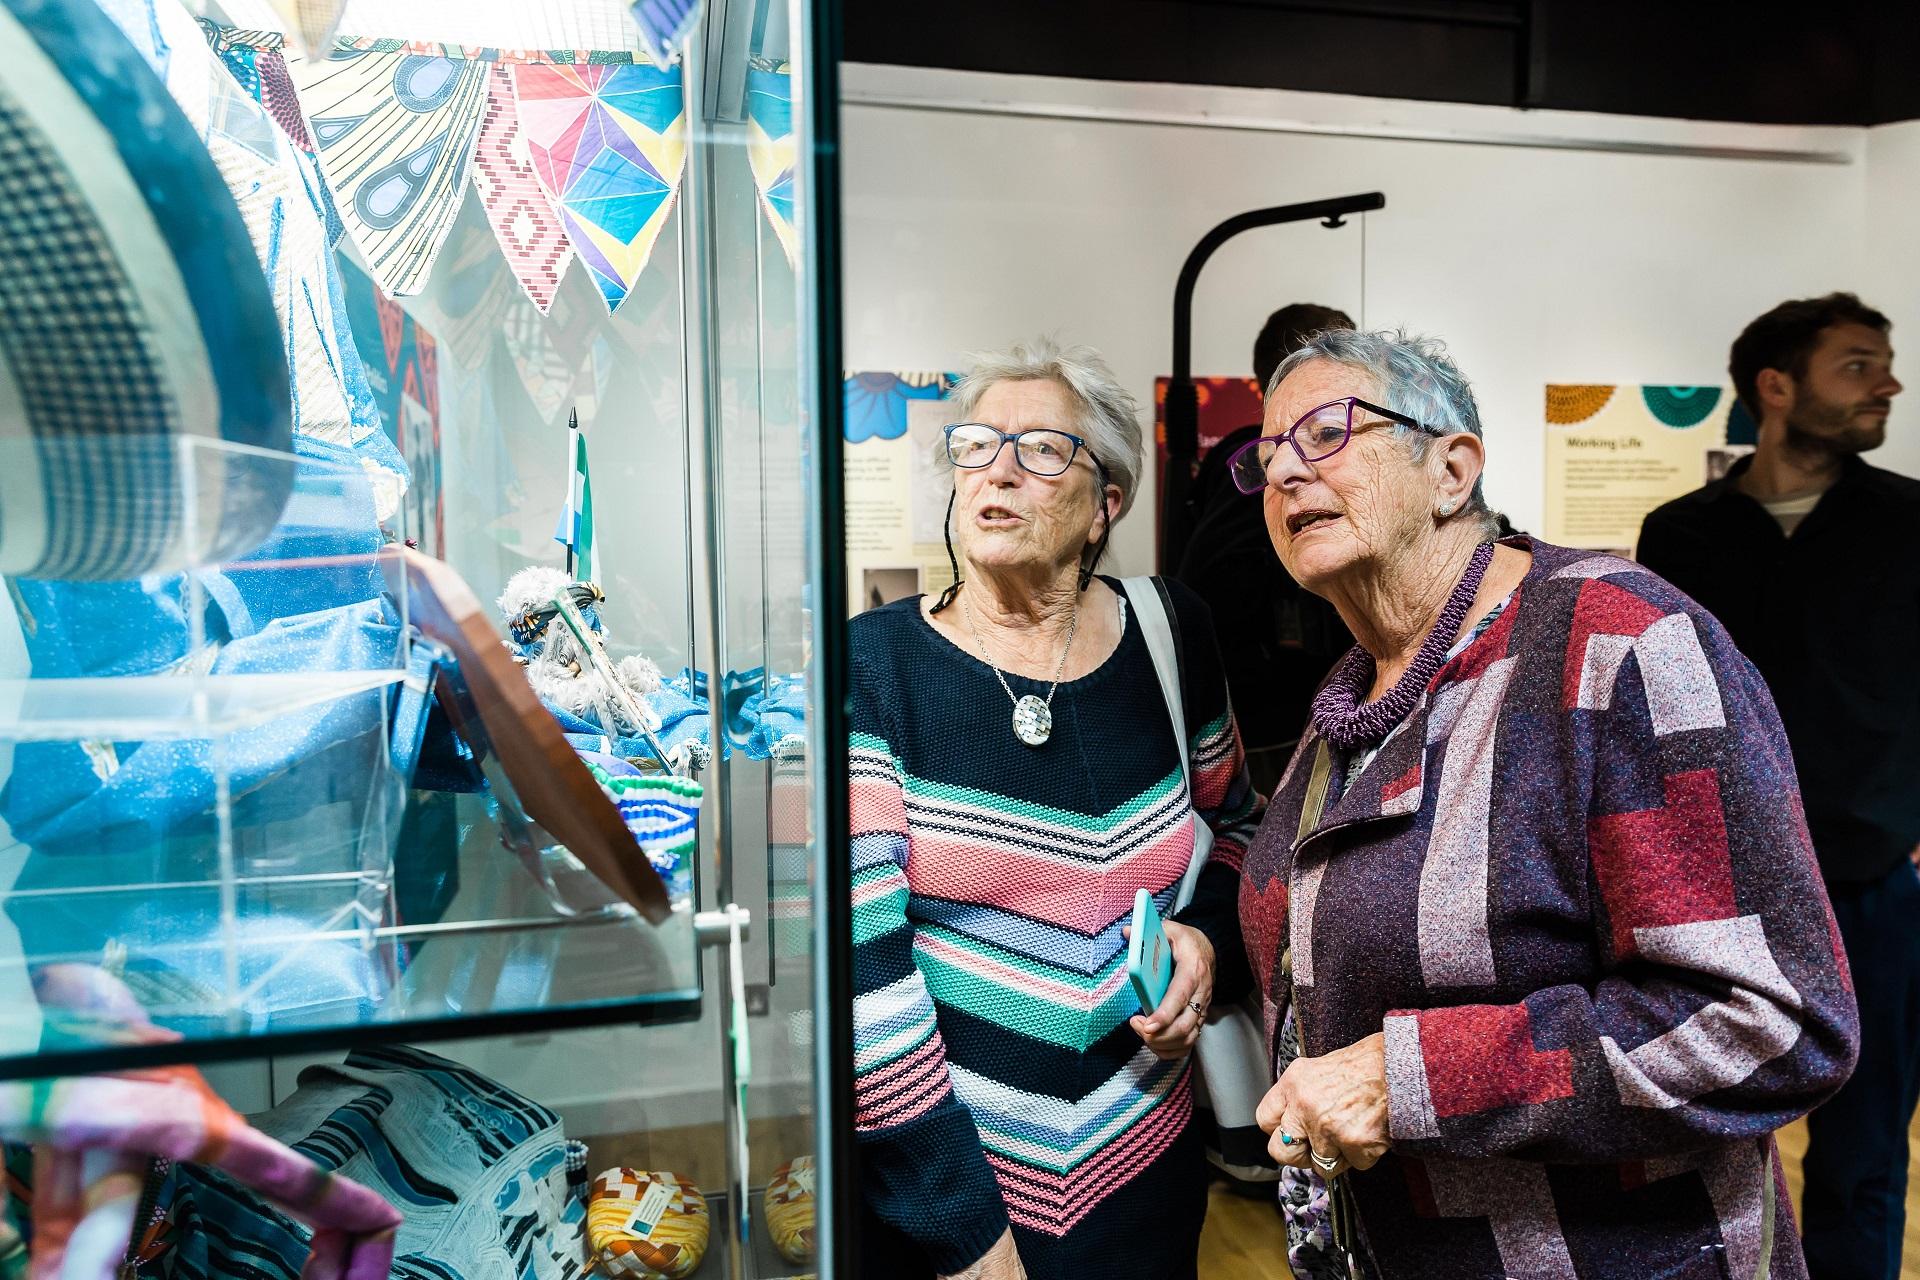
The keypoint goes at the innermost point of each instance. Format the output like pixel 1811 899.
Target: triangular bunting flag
pixel 523 219
pixel 396 134
pixel 771 149
pixel 608 144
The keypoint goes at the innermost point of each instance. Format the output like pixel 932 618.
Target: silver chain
pixel 1073 624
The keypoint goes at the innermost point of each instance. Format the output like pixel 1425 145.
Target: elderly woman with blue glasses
pixel 1544 952
pixel 1016 778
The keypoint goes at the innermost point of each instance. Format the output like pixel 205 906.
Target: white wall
pixel 970 224
pixel 1893 275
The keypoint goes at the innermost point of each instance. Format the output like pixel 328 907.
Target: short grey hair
pixel 1416 377
pixel 1105 413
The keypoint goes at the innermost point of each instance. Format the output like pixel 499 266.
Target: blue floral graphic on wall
pixel 877 402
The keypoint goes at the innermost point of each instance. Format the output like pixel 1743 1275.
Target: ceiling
pixel 1840 62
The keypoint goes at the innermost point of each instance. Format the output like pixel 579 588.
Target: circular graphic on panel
pixel 1681 406
pixel 1568 404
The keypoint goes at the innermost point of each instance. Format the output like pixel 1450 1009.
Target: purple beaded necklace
pixel 1337 711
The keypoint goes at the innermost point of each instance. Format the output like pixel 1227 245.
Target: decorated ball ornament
pixel 789 1208
pixel 1568 404
pixel 647 1224
pixel 1681 406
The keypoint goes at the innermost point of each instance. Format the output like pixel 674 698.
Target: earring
pixel 1446 508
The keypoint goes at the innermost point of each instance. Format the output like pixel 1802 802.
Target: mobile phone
pixel 1149 954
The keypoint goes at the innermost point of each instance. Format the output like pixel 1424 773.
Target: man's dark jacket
pixel 1831 617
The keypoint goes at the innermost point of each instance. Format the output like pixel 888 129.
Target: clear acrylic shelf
pixel 161 708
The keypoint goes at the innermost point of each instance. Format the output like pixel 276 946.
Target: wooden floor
pixel 1243 1239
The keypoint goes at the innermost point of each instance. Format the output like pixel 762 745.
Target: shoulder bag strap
pixel 1151 605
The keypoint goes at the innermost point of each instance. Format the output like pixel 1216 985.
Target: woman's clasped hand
pixel 1334 1107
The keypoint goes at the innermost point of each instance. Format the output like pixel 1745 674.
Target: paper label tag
pixel 648 1211
pixel 802 1176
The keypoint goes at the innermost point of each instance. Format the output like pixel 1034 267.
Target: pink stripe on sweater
pixel 877 806
pixel 1088 899
pixel 906 1087
pixel 1052 1204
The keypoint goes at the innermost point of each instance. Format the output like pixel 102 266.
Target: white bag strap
pixel 1148 597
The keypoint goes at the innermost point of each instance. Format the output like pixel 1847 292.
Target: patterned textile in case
pixel 663 813
pixel 132 314
pixel 95 1140
pixel 285 207
pixel 396 133
pixel 789 1209
pixel 647 1224
pixel 478 1172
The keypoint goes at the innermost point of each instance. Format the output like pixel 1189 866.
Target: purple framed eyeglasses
pixel 1319 433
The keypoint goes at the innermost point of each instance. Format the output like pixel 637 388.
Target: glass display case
pixel 506 732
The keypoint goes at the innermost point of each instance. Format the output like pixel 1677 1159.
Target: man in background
pixel 1277 641
pixel 1811 558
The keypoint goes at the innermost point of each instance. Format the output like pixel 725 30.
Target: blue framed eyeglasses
pixel 1042 451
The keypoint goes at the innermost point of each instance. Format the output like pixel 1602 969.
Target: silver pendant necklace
pixel 1032 718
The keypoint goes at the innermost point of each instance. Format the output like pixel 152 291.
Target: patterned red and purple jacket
pixel 1576 892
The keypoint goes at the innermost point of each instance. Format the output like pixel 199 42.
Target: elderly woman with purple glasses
pixel 1544 953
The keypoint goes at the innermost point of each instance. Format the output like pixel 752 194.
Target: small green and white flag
pixel 575 529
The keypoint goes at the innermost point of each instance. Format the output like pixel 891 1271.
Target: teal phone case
pixel 1149 954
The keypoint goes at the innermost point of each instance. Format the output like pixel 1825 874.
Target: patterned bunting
pixel 608 146
pixel 529 231
pixel 274 41
pixel 396 135
pixel 277 95
pixel 771 149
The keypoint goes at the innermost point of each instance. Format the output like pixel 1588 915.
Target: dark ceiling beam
pixel 1842 62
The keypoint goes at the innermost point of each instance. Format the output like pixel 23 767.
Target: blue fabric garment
pixel 308 601
pixel 762 720
pixel 478 1171
pixel 683 717
pixel 775 716
pixel 266 616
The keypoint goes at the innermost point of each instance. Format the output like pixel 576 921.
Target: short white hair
pixel 1416 377
pixel 1105 413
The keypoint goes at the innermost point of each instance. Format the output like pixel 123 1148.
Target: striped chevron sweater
pixel 998 1080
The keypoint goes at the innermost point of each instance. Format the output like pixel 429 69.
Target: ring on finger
pixel 1197 1007
pixel 1325 1164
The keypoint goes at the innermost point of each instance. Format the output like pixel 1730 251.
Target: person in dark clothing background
pixel 1277 641
pixel 1811 559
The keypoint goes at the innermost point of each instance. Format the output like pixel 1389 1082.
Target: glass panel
pixel 331 791
pixel 759 526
